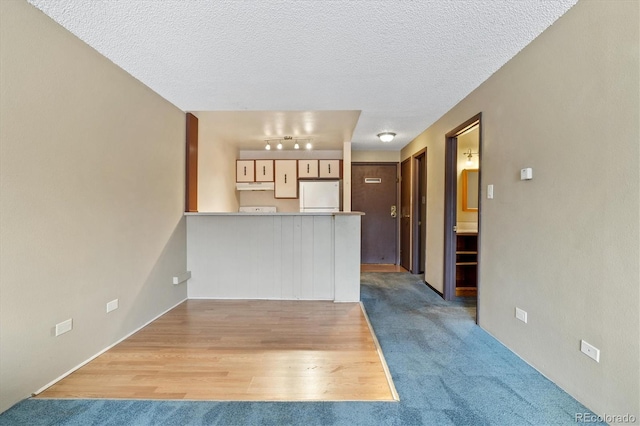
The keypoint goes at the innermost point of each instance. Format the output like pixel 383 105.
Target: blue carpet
pixel 446 369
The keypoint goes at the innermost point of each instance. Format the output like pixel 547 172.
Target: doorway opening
pixel 419 224
pixel 406 234
pixel 463 155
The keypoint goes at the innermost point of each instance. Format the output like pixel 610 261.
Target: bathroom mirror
pixel 470 183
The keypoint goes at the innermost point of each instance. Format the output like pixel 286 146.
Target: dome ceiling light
pixel 386 137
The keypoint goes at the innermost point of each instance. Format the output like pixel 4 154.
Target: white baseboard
pixel 385 367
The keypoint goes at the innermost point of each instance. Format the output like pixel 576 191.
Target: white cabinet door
pixel 286 184
pixel 264 170
pixel 245 171
pixel 307 169
pixel 330 169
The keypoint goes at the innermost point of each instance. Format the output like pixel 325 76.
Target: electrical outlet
pixel 521 315
pixel 112 306
pixel 590 351
pixel 526 174
pixel 64 327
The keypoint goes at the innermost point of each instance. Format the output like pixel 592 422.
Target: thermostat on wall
pixel 526 174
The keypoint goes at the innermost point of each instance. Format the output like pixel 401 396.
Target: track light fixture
pixel 281 143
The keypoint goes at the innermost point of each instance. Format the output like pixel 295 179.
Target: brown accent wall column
pixel 191 181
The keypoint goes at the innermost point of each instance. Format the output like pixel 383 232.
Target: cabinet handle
pixel 245 170
pixel 329 168
pixel 285 178
pixel 264 170
pixel 308 167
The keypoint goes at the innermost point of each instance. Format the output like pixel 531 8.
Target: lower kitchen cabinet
pixel 286 179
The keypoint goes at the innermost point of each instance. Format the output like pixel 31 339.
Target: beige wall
pixel 564 246
pixel 375 156
pixel 216 168
pixel 92 198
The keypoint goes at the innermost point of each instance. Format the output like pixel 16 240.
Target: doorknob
pixel 394 211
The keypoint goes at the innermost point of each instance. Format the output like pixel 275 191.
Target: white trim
pixel 53 382
pixel 385 367
pixel 263 298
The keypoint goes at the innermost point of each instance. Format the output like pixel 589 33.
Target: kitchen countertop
pixel 274 214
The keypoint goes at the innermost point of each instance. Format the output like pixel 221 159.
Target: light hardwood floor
pixel 372 267
pixel 240 350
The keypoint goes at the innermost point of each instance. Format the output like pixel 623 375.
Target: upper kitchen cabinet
pixel 286 182
pixel 245 171
pixel 264 170
pixel 307 169
pixel 330 169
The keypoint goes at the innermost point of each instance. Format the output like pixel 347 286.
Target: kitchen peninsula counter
pixel 279 256
pixel 274 214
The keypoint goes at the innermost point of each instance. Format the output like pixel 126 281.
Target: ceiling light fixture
pixel 386 137
pixel 281 144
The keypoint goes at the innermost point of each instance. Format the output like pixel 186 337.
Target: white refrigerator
pixel 319 196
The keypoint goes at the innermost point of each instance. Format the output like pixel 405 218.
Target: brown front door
pixel 374 191
pixel 405 215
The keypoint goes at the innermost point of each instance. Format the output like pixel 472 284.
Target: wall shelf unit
pixel 466 264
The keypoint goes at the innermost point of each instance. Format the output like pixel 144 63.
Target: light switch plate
pixel 521 315
pixel 490 192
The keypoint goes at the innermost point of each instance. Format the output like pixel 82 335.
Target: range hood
pixel 254 186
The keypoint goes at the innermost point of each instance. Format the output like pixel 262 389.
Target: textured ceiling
pixel 403 64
